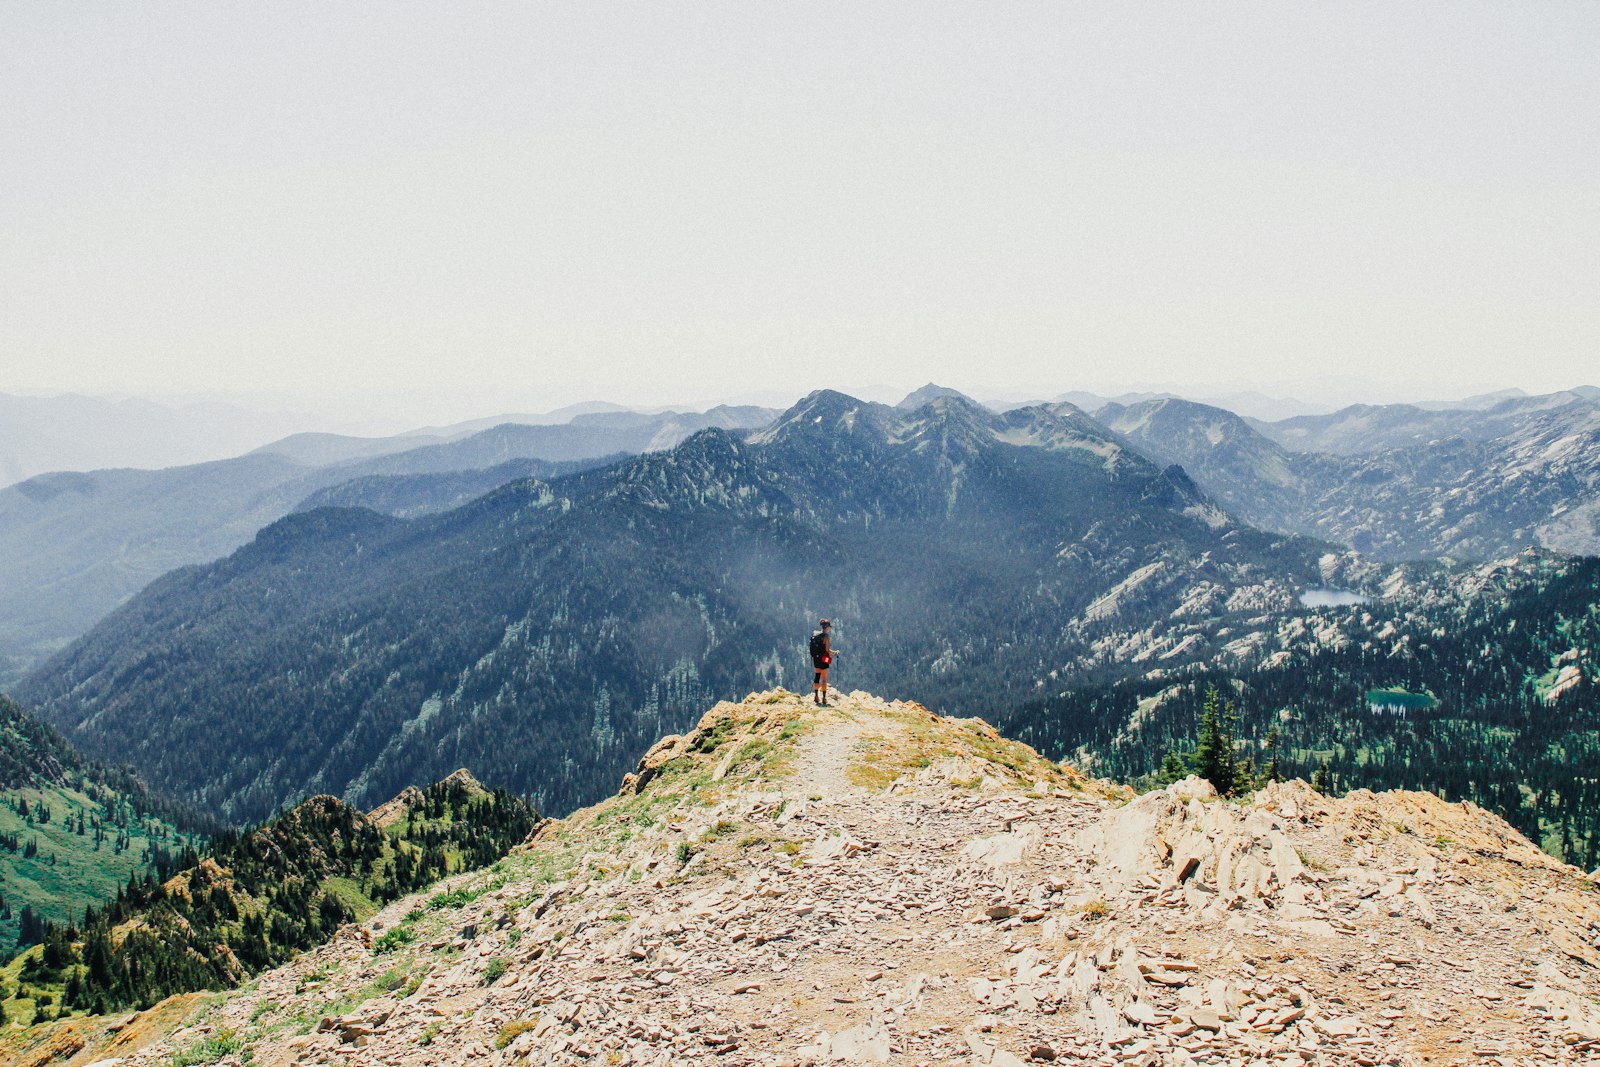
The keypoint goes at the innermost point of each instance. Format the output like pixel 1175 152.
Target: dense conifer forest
pixel 72 830
pixel 248 901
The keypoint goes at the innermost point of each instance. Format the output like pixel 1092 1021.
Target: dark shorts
pixel 818 665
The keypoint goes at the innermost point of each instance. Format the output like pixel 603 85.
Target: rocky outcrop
pixel 396 809
pixel 869 883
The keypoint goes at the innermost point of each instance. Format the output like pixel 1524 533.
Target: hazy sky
pixel 498 206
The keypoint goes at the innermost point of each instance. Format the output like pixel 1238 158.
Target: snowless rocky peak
pixel 928 394
pixel 396 809
pixel 872 883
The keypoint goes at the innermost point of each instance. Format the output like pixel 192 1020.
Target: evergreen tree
pixel 1322 778
pixel 30 928
pixel 1174 768
pixel 1216 757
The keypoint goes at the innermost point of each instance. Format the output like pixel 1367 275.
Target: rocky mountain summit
pixel 872 883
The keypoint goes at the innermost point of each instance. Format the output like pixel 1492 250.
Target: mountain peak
pixel 869 882
pixel 929 393
pixel 395 810
pixel 826 412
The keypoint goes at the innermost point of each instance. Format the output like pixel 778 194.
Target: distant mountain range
pixel 544 632
pixel 1471 479
pixel 74 545
pixel 1396 482
pixel 42 434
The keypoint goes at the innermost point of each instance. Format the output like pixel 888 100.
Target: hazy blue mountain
pixel 580 432
pixel 1251 475
pixel 61 433
pixel 407 496
pixel 1522 472
pixel 326 449
pixel 1367 428
pixel 544 633
pixel 75 545
pixel 586 436
pixel 544 418
pixel 927 395
pixel 1248 404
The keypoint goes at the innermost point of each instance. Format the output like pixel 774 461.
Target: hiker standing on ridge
pixel 821 660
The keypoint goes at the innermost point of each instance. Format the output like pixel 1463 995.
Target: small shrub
pixel 713 738
pixel 511 1031
pixel 212 1049
pixel 456 898
pixel 1095 909
pixel 400 935
pixel 392 979
pixel 493 971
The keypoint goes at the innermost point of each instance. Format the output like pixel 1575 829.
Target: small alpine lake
pixel 1398 701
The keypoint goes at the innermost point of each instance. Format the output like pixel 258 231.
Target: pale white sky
pixel 501 206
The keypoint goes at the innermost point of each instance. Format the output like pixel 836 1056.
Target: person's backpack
pixel 819 646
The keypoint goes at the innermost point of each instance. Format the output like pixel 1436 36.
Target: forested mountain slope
pixel 1501 663
pixel 1466 484
pixel 71 831
pixel 407 496
pixel 247 901
pixel 546 632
